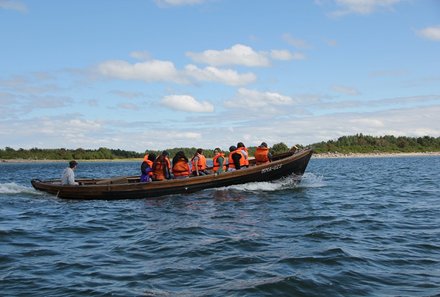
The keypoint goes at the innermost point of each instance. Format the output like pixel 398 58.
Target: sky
pixel 157 74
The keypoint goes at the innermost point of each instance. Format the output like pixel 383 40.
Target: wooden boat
pixel 287 164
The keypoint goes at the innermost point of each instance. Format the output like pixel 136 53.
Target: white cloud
pixel 298 56
pixel 140 55
pixel 186 103
pixel 178 2
pixel 332 42
pixel 412 122
pixel 13 5
pixel 345 90
pixel 283 55
pixel 225 76
pixel 254 100
pixel 432 33
pixel 236 55
pixel 295 42
pixel 149 71
pixel 128 106
pixel 126 94
pixel 70 131
pixel 155 70
pixel 362 6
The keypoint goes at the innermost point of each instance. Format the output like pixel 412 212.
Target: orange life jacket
pixel 160 166
pixel 216 164
pixel 231 161
pixel 150 163
pixel 245 156
pixel 261 155
pixel 201 164
pixel 181 168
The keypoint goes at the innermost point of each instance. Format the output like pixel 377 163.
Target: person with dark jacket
pixel 234 159
pixel 147 167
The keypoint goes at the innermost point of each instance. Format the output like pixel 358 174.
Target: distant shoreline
pixel 315 155
pixel 373 155
pixel 66 161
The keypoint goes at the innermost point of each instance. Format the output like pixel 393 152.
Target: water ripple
pixel 352 227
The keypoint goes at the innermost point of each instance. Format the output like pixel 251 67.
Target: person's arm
pixel 196 164
pixel 220 161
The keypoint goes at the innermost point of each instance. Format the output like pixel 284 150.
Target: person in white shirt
pixel 68 176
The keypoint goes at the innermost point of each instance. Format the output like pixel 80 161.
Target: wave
pixel 309 180
pixel 13 188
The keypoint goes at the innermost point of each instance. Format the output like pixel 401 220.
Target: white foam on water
pixel 308 180
pixel 13 188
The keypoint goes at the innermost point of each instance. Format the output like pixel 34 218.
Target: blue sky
pixel 148 74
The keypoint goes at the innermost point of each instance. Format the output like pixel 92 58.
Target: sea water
pixel 352 227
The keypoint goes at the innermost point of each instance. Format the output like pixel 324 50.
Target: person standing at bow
pixel 199 163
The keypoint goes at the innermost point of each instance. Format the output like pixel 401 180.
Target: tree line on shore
pixel 103 153
pixel 358 143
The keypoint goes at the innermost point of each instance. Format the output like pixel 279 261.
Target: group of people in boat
pixel 157 168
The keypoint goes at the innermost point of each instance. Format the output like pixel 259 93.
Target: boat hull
pixel 287 164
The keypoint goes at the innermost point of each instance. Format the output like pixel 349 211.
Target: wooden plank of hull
pixel 291 163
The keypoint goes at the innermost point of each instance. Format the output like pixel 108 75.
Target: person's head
pixel 72 164
pixel 165 153
pixel 146 156
pixel 240 144
pixel 199 151
pixel 152 157
pixel 180 154
pixel 263 144
pixel 217 150
pixel 232 148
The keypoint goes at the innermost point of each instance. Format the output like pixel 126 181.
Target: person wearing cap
pixel 68 176
pixel 162 167
pixel 262 154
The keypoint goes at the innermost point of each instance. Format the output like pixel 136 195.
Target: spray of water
pixel 13 188
pixel 308 180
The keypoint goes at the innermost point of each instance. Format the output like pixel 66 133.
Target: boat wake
pixel 13 188
pixel 308 180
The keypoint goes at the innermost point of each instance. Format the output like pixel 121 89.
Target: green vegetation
pixel 66 154
pixel 105 153
pixel 358 143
